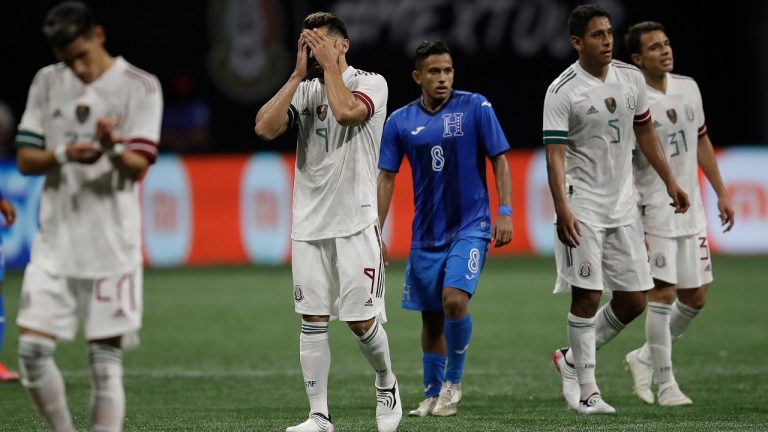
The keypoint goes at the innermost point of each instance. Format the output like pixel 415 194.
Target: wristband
pixel 505 210
pixel 116 150
pixel 60 154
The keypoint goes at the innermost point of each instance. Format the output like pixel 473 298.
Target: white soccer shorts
pixel 614 259
pixel 340 277
pixel 110 306
pixel 684 261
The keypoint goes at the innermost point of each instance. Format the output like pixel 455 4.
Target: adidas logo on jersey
pixel 592 110
pixel 305 111
pixel 119 313
pixel 57 113
pixel 656 124
pixel 369 302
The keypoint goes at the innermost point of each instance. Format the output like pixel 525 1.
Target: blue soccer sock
pixel 434 372
pixel 2 322
pixel 457 335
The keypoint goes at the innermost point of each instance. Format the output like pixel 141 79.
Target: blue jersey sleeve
pixel 491 135
pixel 391 153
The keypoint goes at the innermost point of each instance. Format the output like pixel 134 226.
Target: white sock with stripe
pixel 658 340
pixel 315 356
pixel 107 403
pixel 680 316
pixel 581 335
pixel 374 345
pixel 43 381
pixel 607 326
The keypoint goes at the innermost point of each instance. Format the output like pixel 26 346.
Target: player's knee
pixel 34 352
pixel 360 328
pixel 693 298
pixel 454 306
pixel 106 365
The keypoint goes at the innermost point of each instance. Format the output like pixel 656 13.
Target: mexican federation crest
pixel 610 103
pixel 672 115
pixel 585 270
pixel 322 112
pixel 82 112
pixel 298 295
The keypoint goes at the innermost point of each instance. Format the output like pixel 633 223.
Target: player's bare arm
pixel 347 109
pixel 36 161
pixel 568 229
pixel 649 144
pixel 385 186
pixel 272 118
pixel 129 162
pixel 708 164
pixel 501 233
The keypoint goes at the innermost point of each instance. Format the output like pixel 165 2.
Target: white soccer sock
pixel 374 345
pixel 658 340
pixel 680 316
pixel 315 356
pixel 679 319
pixel 107 403
pixel 581 335
pixel 607 325
pixel 43 381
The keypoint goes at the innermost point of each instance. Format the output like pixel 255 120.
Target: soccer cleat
pixel 316 422
pixel 425 407
pixel 567 372
pixel 448 401
pixel 595 404
pixel 389 410
pixel 642 375
pixel 670 395
pixel 7 375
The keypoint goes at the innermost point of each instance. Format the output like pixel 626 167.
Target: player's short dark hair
pixel 632 38
pixel 67 22
pixel 428 48
pixel 321 19
pixel 582 15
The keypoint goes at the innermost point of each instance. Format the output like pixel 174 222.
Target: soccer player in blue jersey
pixel 446 135
pixel 9 214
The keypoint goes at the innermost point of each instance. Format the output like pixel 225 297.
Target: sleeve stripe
pixel 555 140
pixel 702 130
pixel 644 118
pixel 26 139
pixel 366 101
pixel 293 115
pixel 555 133
pixel 142 148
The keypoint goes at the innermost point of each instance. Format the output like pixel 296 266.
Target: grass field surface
pixel 220 353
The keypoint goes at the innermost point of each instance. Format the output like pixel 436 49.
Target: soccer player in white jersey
pixel 91 127
pixel 677 245
pixel 590 113
pixel 338 269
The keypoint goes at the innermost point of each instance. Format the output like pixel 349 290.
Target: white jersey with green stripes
pixel 595 119
pixel 90 218
pixel 678 117
pixel 334 190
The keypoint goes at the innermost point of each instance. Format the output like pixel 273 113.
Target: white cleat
pixel 389 410
pixel 425 407
pixel 567 372
pixel 448 401
pixel 642 375
pixel 595 405
pixel 315 423
pixel 670 395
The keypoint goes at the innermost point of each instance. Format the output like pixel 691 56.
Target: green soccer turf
pixel 220 353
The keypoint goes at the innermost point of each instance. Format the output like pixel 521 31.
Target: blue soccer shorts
pixel 429 270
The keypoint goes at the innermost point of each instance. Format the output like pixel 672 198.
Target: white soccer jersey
pixel 334 191
pixel 595 120
pixel 678 117
pixel 90 220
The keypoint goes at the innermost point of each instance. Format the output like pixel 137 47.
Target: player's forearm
pixel 347 110
pixel 272 118
pixel 34 161
pixel 708 163
pixel 503 179
pixel 556 176
pixel 649 144
pixel 385 187
pixel 131 164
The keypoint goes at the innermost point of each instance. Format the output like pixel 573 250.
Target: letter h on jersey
pixel 452 124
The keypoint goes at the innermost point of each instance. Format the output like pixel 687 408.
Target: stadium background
pixel 219 343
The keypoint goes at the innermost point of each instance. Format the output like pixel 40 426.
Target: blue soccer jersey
pixel 447 151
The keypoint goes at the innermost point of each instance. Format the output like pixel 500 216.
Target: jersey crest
pixel 322 112
pixel 610 103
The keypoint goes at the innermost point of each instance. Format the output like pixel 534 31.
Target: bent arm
pixel 272 119
pixel 35 161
